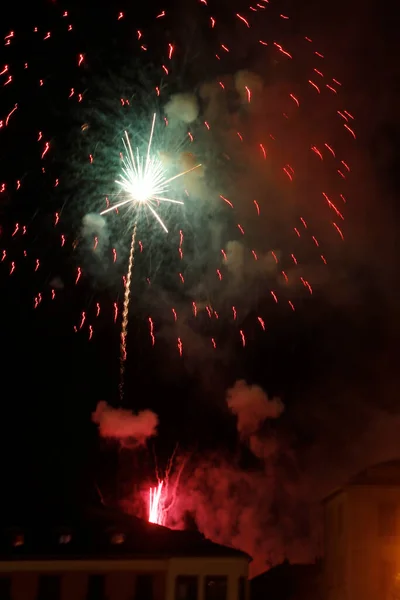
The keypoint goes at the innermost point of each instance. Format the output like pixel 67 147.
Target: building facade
pixel 362 536
pixel 133 560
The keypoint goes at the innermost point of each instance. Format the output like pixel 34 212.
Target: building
pixel 111 556
pixel 288 582
pixel 362 536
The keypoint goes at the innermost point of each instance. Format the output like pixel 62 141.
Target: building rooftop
pixel 385 473
pixel 288 581
pixel 102 533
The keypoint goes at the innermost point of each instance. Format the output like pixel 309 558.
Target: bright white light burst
pixel 144 180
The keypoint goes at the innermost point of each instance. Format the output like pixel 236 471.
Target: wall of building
pixel 336 538
pixel 121 576
pixel 361 560
pixel 232 568
pixel 375 554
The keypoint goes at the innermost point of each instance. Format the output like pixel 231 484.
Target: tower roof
pixel 381 474
pixel 384 473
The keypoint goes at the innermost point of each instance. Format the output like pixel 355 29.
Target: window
pixel 96 587
pixel 242 588
pixel 18 540
pixel 5 588
pixel 340 519
pixel 49 587
pixel 65 538
pixel 186 587
pixel 117 538
pixel 387 520
pixel 216 588
pixel 144 587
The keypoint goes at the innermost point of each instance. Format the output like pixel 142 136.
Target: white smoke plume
pixel 182 108
pixel 94 225
pixel 244 81
pixel 120 424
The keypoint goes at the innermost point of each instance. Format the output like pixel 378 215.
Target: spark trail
pixel 144 182
pixel 125 314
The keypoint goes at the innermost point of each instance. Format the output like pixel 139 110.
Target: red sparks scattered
pixel 314 86
pixel 350 130
pixel 168 50
pixel 282 51
pixel 180 346
pixel 226 200
pixel 243 19
pixel 151 326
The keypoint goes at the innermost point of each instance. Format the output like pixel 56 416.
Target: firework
pixel 257 222
pixel 143 182
pixel 156 505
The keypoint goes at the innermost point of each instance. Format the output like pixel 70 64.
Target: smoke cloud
pixel 252 407
pixel 182 108
pixel 94 224
pixel 95 235
pixel 128 428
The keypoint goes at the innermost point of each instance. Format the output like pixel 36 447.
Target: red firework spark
pixel 319 80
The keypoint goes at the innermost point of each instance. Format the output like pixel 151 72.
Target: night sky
pixel 332 362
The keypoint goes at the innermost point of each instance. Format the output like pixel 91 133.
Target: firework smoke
pixel 95 226
pixel 182 108
pixel 252 407
pixel 128 428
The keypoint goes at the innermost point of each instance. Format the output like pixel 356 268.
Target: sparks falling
pixel 144 186
pixel 143 182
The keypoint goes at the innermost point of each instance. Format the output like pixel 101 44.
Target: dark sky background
pixel 335 365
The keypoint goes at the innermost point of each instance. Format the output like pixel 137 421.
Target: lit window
pixel 117 538
pixel 65 538
pixel 216 588
pixel 18 540
pixel 387 520
pixel 186 587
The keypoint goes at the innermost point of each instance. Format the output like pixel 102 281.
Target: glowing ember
pixel 156 513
